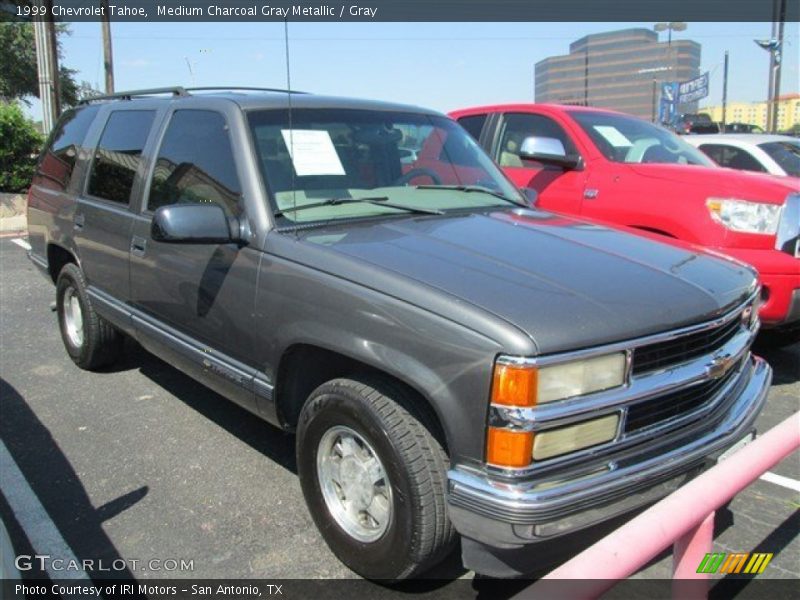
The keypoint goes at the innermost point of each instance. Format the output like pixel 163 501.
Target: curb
pixel 17 223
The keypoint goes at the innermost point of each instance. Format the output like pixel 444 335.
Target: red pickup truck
pixel 614 168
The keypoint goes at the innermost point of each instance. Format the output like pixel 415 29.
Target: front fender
pixel 447 363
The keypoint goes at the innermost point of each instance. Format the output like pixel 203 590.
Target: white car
pixel 764 153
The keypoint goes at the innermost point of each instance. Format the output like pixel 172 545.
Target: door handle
pixel 138 245
pixel 79 221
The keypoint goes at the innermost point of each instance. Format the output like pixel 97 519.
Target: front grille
pixel 675 404
pixel 678 350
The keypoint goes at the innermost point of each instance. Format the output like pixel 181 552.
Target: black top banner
pixel 398 10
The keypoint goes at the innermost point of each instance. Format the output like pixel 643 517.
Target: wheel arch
pixel 295 381
pixel 57 257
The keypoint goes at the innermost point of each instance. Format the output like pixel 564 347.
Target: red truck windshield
pixel 629 140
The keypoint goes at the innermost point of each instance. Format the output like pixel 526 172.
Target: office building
pixel 620 70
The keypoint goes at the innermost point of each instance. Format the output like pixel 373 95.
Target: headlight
pixel 529 385
pixel 745 216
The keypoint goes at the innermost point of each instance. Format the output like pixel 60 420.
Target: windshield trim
pixel 291 226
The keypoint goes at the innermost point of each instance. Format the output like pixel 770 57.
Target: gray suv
pixel 454 362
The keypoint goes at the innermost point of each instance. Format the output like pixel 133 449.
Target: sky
pixel 437 65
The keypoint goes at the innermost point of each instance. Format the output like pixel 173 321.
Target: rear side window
pixel 118 154
pixel 732 157
pixel 195 163
pixel 473 124
pixel 58 160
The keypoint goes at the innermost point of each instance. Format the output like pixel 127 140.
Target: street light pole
pixel 725 94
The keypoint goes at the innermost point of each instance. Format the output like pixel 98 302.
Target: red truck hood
pixel 723 182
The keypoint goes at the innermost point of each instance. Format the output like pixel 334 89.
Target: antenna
pixel 191 71
pixel 291 131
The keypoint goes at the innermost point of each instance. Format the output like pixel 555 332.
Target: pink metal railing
pixel 684 519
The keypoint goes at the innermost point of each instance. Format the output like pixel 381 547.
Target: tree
pixel 18 71
pixel 21 143
pixel 87 90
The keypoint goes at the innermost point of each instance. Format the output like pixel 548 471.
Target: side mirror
pixel 194 224
pixel 547 150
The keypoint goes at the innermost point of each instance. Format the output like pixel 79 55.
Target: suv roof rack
pixel 175 91
pixel 180 91
pixel 242 87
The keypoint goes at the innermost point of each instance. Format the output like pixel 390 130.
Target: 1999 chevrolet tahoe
pixel 454 362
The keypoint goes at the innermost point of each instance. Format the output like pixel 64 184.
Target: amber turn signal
pixel 515 385
pixel 508 448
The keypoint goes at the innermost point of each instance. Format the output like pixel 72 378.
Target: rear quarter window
pixel 118 154
pixel 57 163
pixel 473 124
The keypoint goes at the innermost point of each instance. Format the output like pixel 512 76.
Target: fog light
pixel 570 438
pixel 507 448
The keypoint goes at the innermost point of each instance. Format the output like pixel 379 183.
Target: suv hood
pixel 565 283
pixel 731 183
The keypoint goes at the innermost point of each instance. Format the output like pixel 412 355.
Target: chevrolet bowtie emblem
pixel 719 366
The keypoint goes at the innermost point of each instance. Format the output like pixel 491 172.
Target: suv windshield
pixel 630 140
pixel 331 158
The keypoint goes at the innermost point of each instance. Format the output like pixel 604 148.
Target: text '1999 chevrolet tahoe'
pixel 453 361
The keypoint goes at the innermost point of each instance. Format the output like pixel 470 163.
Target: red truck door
pixel 559 189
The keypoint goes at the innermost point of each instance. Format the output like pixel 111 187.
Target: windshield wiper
pixel 470 188
pixel 376 200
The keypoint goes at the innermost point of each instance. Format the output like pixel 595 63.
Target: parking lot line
pixel 21 243
pixel 782 481
pixel 32 517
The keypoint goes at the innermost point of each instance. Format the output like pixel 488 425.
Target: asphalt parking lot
pixel 140 462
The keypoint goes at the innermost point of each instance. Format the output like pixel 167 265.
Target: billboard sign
pixel 668 107
pixel 694 89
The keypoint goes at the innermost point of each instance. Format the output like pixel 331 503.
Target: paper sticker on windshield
pixel 312 152
pixel 613 136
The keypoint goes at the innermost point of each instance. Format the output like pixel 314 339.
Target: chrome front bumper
pixel 508 514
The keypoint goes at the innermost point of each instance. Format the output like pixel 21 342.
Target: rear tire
pixel 91 341
pixel 386 515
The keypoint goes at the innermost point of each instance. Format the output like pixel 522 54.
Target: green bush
pixel 19 145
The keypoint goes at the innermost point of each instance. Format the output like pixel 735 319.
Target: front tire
pixel 91 341
pixel 374 478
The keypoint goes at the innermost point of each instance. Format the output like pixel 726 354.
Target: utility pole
pixel 777 56
pixel 586 76
pixel 108 58
pixel 54 70
pixel 653 110
pixel 47 69
pixel 771 83
pixel 725 94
